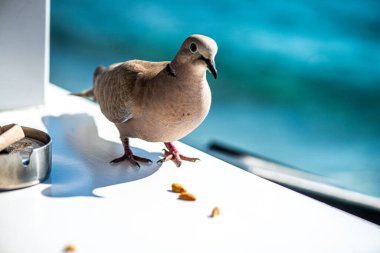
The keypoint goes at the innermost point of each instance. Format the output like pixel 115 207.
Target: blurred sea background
pixel 299 81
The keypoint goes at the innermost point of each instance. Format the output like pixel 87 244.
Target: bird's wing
pixel 114 87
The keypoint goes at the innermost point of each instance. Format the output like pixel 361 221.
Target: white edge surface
pixel 103 208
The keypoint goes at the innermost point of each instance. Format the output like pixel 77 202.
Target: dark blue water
pixel 299 80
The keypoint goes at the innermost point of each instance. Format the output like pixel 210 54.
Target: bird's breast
pixel 176 113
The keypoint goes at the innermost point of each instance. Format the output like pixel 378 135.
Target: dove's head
pixel 199 50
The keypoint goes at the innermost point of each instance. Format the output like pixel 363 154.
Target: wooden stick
pixel 10 136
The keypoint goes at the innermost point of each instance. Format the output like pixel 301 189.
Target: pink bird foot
pixel 173 154
pixel 128 155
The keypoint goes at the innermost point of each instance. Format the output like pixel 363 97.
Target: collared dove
pixel 157 101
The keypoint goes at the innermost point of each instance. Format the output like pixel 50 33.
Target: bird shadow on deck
pixel 80 158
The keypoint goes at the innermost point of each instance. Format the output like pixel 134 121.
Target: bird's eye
pixel 193 47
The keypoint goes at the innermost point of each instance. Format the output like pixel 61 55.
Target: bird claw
pixel 119 159
pixel 189 159
pixel 176 157
pixel 132 159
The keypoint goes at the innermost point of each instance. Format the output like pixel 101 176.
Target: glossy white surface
pixel 103 208
pixel 24 52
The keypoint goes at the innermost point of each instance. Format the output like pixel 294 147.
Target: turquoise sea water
pixel 299 81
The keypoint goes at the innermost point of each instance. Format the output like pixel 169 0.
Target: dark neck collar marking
pixel 171 71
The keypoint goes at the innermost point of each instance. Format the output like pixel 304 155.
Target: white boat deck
pixel 100 207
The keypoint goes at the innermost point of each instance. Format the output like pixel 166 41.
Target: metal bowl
pixel 27 168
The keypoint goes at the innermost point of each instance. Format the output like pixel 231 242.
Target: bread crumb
pixel 187 196
pixel 178 188
pixel 70 248
pixel 215 212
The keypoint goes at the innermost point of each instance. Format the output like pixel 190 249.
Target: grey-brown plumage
pixel 157 101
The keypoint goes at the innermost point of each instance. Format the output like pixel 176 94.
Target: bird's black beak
pixel 211 67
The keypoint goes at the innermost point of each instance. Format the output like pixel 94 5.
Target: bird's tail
pixel 90 92
pixel 98 71
pixel 86 93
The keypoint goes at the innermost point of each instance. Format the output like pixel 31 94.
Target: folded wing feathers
pixel 114 87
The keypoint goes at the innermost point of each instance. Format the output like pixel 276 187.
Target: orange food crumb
pixel 70 248
pixel 187 196
pixel 178 188
pixel 215 212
